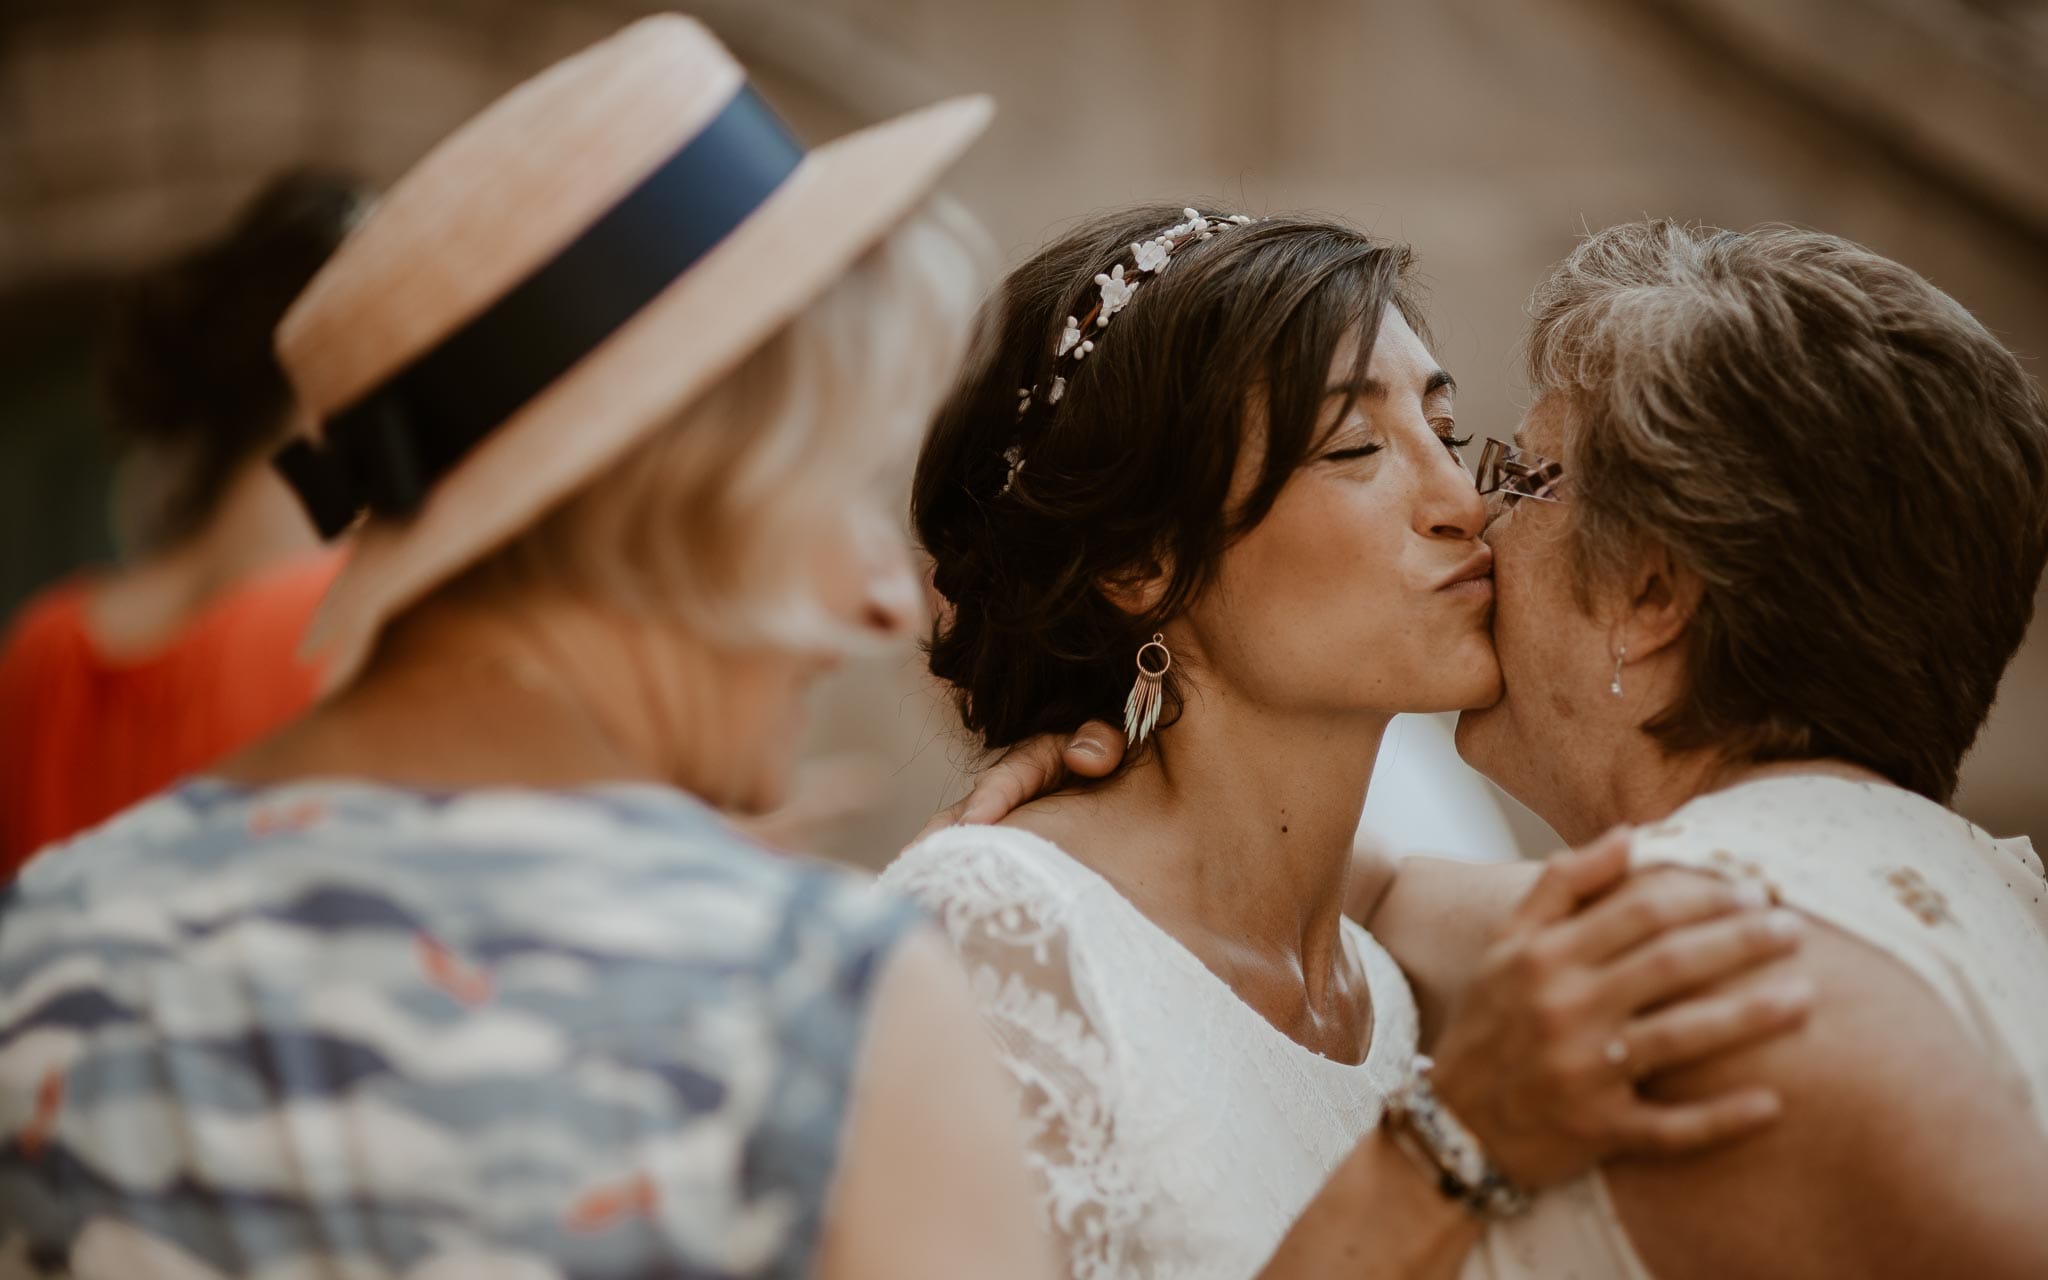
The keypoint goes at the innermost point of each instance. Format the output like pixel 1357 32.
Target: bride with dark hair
pixel 1202 480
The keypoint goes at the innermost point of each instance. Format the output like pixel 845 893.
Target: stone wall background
pixel 1487 133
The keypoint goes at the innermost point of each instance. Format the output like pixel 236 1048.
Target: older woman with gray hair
pixel 1766 541
pixel 463 974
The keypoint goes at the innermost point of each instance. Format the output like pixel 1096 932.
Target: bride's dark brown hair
pixel 1130 474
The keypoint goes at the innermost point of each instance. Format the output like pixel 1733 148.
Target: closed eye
pixel 1346 455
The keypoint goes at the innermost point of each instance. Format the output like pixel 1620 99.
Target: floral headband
pixel 1148 257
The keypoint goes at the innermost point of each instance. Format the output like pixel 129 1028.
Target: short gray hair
pixel 1855 467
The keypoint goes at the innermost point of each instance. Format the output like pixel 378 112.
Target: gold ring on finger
pixel 1616 1054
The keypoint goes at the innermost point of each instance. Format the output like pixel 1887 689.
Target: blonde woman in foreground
pixel 462 975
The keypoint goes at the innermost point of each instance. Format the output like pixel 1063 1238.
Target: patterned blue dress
pixel 338 1029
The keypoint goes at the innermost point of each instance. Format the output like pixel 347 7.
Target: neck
pixel 1243 821
pixel 512 693
pixel 254 526
pixel 257 523
pixel 1640 783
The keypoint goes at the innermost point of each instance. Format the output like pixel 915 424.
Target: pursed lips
pixel 1475 574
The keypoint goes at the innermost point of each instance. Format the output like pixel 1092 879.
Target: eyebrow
pixel 1362 388
pixel 1374 389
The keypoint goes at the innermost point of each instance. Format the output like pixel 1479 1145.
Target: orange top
pixel 83 736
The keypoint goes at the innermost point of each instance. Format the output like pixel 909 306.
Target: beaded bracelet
pixel 1425 1128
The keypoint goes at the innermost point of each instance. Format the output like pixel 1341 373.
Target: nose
pixel 891 610
pixel 892 600
pixel 1449 505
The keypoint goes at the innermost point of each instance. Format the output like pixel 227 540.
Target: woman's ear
pixel 1663 596
pixel 1139 589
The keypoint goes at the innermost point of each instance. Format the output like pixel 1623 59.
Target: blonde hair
pixel 707 521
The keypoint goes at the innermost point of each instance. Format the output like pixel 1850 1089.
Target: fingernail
pixel 1086 747
pixel 1766 1107
pixel 1784 925
pixel 1752 894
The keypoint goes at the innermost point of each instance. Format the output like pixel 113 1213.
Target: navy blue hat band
pixel 384 452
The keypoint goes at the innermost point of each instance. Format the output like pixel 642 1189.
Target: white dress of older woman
pixel 1189 1165
pixel 1967 914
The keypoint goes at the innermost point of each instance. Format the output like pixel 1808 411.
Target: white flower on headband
pixel 1116 294
pixel 1153 254
pixel 1149 257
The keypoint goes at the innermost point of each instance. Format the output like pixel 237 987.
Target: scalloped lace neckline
pixel 1356 941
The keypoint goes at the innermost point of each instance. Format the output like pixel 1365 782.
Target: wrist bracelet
pixel 1421 1124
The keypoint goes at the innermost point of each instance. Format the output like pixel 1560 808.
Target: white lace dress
pixel 1173 1130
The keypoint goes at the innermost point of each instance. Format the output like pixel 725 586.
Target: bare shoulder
pixel 1903 1151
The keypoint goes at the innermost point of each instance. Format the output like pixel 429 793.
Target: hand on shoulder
pixel 1593 982
pixel 1902 1150
pixel 1035 767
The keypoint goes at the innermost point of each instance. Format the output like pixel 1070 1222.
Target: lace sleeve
pixel 1007 913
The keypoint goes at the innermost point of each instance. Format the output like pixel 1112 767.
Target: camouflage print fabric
pixel 347 1031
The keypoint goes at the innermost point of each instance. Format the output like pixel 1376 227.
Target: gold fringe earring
pixel 1141 709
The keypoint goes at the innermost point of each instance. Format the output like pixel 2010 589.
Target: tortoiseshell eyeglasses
pixel 1517 473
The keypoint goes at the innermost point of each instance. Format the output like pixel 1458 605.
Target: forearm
pixel 1379 1217
pixel 1436 919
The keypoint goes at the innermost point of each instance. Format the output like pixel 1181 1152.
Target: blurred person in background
pixel 1766 541
pixel 462 973
pixel 116 684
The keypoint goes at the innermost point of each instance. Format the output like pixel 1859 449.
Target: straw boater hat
pixel 554 281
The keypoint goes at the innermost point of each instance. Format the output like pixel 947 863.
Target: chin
pixel 1468 676
pixel 1478 736
pixel 763 794
pixel 743 787
pixel 1485 691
